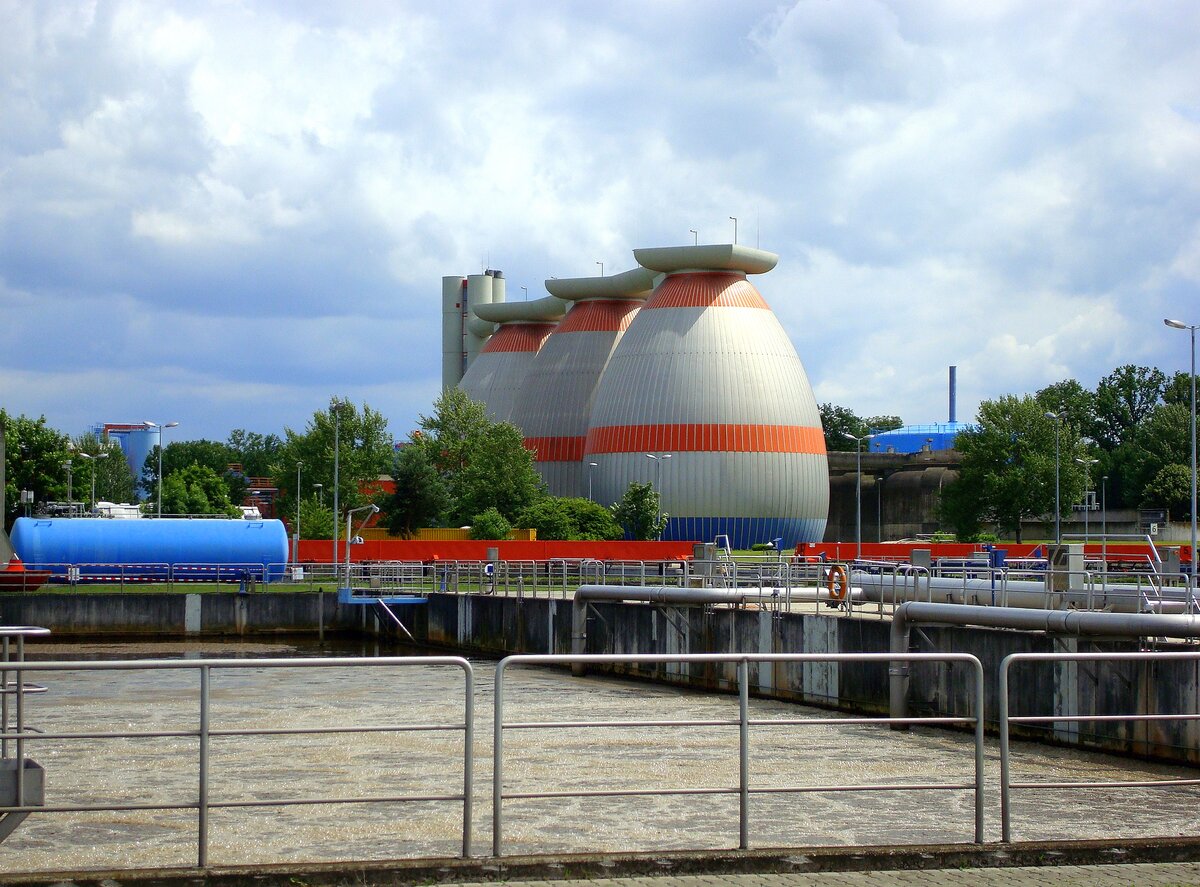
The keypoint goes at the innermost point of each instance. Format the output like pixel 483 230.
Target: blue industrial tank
pixel 54 544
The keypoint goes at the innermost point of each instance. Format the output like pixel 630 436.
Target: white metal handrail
pixel 744 789
pixel 1006 720
pixel 204 735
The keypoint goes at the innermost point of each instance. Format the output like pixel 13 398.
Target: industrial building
pixel 699 392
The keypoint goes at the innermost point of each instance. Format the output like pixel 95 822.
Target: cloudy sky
pixel 224 213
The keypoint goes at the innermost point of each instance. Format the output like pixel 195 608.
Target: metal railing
pixel 205 736
pixel 743 722
pixel 1006 720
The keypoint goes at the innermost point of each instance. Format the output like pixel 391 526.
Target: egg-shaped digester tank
pixel 151 545
pixel 707 382
pixel 555 402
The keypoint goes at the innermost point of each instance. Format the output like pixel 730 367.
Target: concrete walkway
pixel 1175 874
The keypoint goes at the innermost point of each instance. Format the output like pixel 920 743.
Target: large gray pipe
pixel 1066 622
pixel 648 593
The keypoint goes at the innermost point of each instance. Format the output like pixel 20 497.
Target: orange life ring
pixel 837 582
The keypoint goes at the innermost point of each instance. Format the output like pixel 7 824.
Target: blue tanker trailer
pixel 152 548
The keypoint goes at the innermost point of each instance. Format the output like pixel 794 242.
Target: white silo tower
pixel 554 404
pixel 706 376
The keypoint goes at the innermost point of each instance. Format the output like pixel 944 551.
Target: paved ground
pixel 1176 874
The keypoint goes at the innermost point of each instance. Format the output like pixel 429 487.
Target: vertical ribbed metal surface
pixel 554 405
pixel 496 376
pixel 453 348
pixel 706 374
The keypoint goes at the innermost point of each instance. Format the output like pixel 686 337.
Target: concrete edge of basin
pixel 399 872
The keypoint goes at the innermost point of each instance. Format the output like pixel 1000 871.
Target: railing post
pixel 468 756
pixel 498 761
pixel 979 703
pixel 202 806
pixel 744 754
pixel 1002 690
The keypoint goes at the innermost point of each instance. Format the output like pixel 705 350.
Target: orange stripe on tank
pixel 555 449
pixel 599 316
pixel 518 337
pixel 702 437
pixel 706 289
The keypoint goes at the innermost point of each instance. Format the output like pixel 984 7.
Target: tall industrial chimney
pixel 953 392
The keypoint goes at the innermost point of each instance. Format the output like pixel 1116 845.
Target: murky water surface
pixel 165 770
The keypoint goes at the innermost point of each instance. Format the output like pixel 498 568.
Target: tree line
pixel 1127 441
pixel 457 469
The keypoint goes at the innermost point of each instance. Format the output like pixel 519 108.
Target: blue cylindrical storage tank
pixel 55 543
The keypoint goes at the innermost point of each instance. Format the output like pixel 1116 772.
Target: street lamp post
pixel 858 442
pixel 591 465
pixel 67 465
pixel 1087 494
pixel 93 459
pixel 1104 525
pixel 658 461
pixel 296 556
pixel 1180 325
pixel 336 408
pixel 1057 502
pixel 160 428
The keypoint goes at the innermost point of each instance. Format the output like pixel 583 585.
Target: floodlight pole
pixel 1057 502
pixel 1191 328
pixel 160 428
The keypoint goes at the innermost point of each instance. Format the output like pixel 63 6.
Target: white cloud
pixel 251 205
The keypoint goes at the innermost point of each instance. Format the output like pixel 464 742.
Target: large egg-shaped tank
pixel 495 377
pixel 706 380
pixel 151 544
pixel 555 402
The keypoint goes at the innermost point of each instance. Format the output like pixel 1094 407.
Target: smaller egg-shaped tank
pixel 151 545
pixel 496 376
pixel 555 402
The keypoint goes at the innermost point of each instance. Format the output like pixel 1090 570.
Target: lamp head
pixel 1176 324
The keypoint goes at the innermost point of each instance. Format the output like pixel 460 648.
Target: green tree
pixel 420 499
pixel 1170 488
pixel 561 517
pixel 316 520
pixel 593 521
pixel 498 474
pixel 484 464
pixel 490 524
pixel 638 512
pixel 255 452
pixel 840 425
pixel 34 457
pixel 114 479
pixel 1178 390
pixel 365 448
pixel 883 423
pixel 1124 399
pixel 1070 400
pixel 196 489
pixel 1008 468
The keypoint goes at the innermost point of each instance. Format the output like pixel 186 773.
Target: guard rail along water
pixel 204 735
pixel 1059 720
pixel 744 789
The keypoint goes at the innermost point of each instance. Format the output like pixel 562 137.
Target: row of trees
pixel 1129 438
pixel 459 468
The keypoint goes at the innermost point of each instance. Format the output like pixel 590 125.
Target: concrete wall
pixel 73 616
